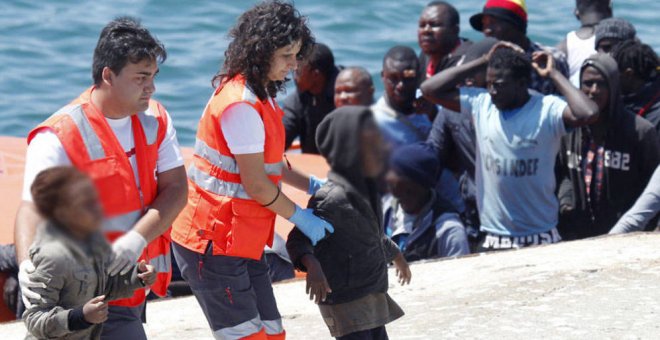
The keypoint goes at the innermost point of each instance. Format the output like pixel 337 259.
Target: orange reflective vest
pixel 94 149
pixel 219 210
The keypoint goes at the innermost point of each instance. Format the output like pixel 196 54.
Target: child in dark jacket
pixel 70 255
pixel 347 271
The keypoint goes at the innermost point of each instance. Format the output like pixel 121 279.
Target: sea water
pixel 46 46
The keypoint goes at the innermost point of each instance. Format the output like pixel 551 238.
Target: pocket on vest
pixel 251 229
pixel 106 177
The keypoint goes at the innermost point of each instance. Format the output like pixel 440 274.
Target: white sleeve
pixel 556 107
pixel 243 129
pixel 44 151
pixel 169 152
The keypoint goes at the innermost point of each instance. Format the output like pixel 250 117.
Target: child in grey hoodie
pixel 70 255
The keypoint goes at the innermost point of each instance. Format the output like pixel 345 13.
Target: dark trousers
pixel 235 293
pixel 378 333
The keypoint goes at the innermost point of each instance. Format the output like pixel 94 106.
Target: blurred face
pixel 504 90
pixel 373 150
pixel 594 85
pixel 605 45
pixel 81 212
pixel 410 194
pixel 400 81
pixel 497 28
pixel 305 77
pixel 350 89
pixel 435 34
pixel 133 86
pixel 283 61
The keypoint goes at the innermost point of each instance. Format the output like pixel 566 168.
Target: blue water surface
pixel 46 46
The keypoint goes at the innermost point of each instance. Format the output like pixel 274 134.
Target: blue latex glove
pixel 315 184
pixel 311 225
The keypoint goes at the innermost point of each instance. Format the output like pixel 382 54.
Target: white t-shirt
pixel 243 129
pixel 515 162
pixel 46 151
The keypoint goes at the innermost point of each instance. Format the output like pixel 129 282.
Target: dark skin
pixel 409 193
pixel 504 31
pixel 630 81
pixel 588 21
pixel 400 78
pixel 594 85
pixel 352 87
pixel 372 162
pixel 605 45
pixel 436 35
pixel 441 88
pixel 309 79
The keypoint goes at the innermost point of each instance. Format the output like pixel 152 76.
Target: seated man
pixel 640 83
pixel 612 31
pixel 354 86
pixel 397 116
pixel 506 20
pixel 604 167
pixel 395 111
pixel 313 99
pixel 580 44
pixel 422 224
pixel 518 137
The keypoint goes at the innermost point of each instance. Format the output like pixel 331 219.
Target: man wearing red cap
pixel 507 20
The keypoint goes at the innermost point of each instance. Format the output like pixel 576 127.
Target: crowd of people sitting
pixel 473 147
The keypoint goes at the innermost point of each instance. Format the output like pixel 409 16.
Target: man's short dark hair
pixel 515 62
pixel 401 53
pixel 585 6
pixel 121 41
pixel 454 17
pixel 322 59
pixel 638 57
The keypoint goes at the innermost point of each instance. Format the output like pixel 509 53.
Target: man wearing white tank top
pixel 580 44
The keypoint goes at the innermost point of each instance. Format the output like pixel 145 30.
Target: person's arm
pixel 441 88
pixel 171 198
pixel 580 110
pixel 292 125
pixel 645 208
pixel 25 227
pixel 562 46
pixel 451 236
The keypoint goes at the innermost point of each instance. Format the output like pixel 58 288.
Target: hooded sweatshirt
pixel 631 154
pixel 354 258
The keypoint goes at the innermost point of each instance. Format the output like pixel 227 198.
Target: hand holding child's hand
pixel 402 270
pixel 96 310
pixel 317 285
pixel 147 273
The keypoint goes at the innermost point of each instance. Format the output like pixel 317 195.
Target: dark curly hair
pixel 517 63
pixel 256 36
pixel 639 57
pixel 121 41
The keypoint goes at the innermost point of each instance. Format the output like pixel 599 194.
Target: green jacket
pixel 73 276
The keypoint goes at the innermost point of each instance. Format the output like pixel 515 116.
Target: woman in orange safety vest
pixel 235 178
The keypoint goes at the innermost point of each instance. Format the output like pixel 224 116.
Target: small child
pixel 347 271
pixel 70 255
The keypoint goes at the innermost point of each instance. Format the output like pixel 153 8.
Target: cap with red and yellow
pixel 512 11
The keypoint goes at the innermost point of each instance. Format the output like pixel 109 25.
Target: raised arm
pixel 441 88
pixel 580 110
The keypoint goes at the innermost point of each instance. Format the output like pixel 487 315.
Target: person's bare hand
pixel 403 272
pixel 423 106
pixel 317 285
pixel 147 273
pixel 96 310
pixel 504 44
pixel 543 63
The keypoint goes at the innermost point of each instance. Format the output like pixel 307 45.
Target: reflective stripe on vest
pixel 225 163
pixel 161 263
pixel 121 223
pixel 229 164
pixel 92 142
